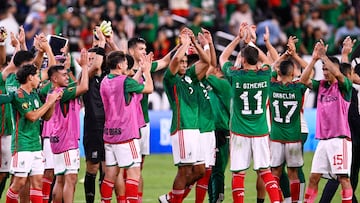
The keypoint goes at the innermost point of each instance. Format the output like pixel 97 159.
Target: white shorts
pixel 48 154
pixel 208 147
pixel 291 153
pixel 186 147
pixel 243 149
pixel 67 162
pixel 124 155
pixel 5 156
pixel 25 164
pixel 145 140
pixel 332 156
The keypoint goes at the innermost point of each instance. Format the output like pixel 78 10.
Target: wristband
pixel 100 51
pixel 2 43
pixel 252 44
pixel 206 47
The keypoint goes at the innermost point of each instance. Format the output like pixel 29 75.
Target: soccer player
pixel 94 118
pixel 121 130
pixel 220 95
pixel 27 159
pixel 248 125
pixel 64 138
pixel 333 153
pixel 285 98
pixel 137 49
pixel 179 82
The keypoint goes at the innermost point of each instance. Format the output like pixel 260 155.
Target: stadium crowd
pixel 125 48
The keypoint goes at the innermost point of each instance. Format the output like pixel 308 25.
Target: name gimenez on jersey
pixel 256 85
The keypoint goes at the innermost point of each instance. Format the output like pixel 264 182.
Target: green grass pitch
pixel 159 173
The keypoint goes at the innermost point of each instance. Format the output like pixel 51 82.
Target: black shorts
pixel 94 145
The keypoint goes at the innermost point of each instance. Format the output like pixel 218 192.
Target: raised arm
pixel 272 51
pixel 180 52
pixel 46 110
pixel 83 85
pixel 99 55
pixel 348 44
pixel 3 36
pixel 203 50
pixel 208 37
pixel 306 75
pixel 145 65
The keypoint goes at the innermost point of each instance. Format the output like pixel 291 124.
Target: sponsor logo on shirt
pixel 328 98
pixel 112 131
pixel 25 105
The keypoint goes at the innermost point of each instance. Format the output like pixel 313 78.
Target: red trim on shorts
pixel 67 158
pixel 285 142
pixel 2 118
pixel 122 142
pixel 133 150
pixel 345 162
pixel 17 131
pixel 181 144
pixel 243 135
pixel 177 108
pixel 15 160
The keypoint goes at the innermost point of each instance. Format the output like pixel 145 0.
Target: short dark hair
pixel 53 69
pixel 286 67
pixel 251 55
pixel 22 56
pixel 24 71
pixel 345 68
pixel 134 41
pixel 334 60
pixel 116 57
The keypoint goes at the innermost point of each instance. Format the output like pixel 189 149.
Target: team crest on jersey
pixel 187 79
pixel 70 89
pixel 25 105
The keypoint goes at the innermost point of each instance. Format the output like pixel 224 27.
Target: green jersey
pixel 220 96
pixel 5 113
pixel 285 106
pixel 250 90
pixel 183 99
pixel 145 100
pixel 26 136
pixel 206 120
pixel 11 86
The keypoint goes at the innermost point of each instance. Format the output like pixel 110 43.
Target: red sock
pixel 131 190
pixel 121 199
pixel 202 186
pixel 177 196
pixel 346 195
pixel 187 191
pixel 295 190
pixel 277 179
pixel 238 187
pixel 310 195
pixel 36 195
pixel 11 196
pixel 140 194
pixel 271 185
pixel 106 191
pixel 46 189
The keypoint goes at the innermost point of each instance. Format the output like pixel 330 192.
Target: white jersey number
pixel 258 97
pixel 287 104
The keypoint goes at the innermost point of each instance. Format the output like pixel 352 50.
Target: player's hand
pixel 202 40
pixel 207 35
pixel 84 59
pixel 14 41
pixel 348 44
pixel 3 34
pixel 145 62
pixel 266 34
pixel 21 36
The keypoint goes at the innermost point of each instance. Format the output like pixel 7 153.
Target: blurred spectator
pixel 316 21
pixel 162 45
pixel 295 29
pixel 331 9
pixel 87 34
pixel 230 6
pixel 171 29
pixel 34 21
pixel 195 24
pixel 208 12
pixel 72 30
pixel 282 10
pixel 137 11
pixel 305 10
pixel 347 12
pixel 349 29
pixel 8 21
pixel 179 7
pixel 110 11
pixel 243 13
pixel 277 37
pixel 120 35
pixel 149 26
pixel 128 21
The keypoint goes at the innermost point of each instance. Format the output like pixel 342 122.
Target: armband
pixel 206 47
